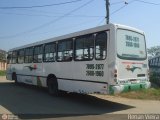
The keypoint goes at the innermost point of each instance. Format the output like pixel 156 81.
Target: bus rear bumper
pixel 114 89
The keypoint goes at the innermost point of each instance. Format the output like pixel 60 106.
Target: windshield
pixel 130 45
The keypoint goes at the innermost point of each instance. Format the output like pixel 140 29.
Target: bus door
pixel 34 67
pixel 37 71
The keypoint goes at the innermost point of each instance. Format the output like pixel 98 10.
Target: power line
pixel 38 6
pixel 48 23
pixel 71 26
pixel 102 20
pixel 115 3
pixel 65 27
pixel 147 2
pixel 118 9
pixel 132 2
pixel 43 15
pixel 126 3
pixel 107 9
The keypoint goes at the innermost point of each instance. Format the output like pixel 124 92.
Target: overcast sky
pixel 20 25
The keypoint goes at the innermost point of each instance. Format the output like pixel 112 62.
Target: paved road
pixel 32 102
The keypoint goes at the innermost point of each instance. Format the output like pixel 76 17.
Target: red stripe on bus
pixel 132 63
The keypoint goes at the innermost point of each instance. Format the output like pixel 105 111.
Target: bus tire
pixel 14 77
pixel 53 86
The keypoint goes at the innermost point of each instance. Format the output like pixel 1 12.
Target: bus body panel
pixel 111 56
pixel 132 69
pixel 79 73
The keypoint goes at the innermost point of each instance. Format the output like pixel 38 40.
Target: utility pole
pixel 107 11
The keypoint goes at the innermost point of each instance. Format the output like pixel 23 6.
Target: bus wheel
pixel 53 86
pixel 14 77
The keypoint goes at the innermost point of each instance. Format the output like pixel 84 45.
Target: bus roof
pixel 75 34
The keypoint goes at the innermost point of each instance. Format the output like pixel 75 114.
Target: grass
pixel 2 73
pixel 145 94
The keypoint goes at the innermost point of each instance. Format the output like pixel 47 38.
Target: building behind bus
pixel 3 63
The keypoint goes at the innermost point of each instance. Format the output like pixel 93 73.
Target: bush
pixel 155 78
pixel 145 94
pixel 2 73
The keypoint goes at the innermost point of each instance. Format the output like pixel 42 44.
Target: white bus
pixel 106 59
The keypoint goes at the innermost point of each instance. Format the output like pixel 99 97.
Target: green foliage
pixel 148 94
pixel 153 51
pixel 145 94
pixel 2 56
pixel 155 78
pixel 2 73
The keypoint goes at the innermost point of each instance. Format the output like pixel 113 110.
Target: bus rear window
pixel 130 45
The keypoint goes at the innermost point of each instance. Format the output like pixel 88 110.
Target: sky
pixel 24 21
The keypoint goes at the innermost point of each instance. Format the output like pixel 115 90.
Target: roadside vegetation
pixel 2 73
pixel 152 93
pixel 145 94
pixel 155 78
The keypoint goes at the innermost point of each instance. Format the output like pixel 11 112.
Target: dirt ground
pixel 139 106
pixel 24 99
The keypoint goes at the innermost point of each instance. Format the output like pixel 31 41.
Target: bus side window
pixel 14 57
pixel 84 46
pixel 101 46
pixel 65 50
pixel 21 56
pixel 50 52
pixel 38 54
pixel 28 55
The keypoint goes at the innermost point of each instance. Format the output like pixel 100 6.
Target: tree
pixel 154 51
pixel 2 55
